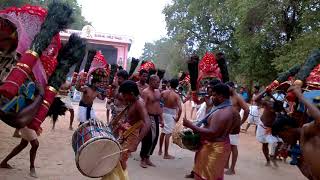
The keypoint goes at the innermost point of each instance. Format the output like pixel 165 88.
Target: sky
pixel 140 19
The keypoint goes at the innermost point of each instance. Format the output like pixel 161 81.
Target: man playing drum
pixel 133 130
pixel 171 114
pixel 213 155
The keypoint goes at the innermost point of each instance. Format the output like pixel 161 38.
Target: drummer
pixel 134 129
pixel 213 155
pixel 89 94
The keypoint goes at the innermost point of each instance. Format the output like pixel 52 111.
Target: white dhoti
pixel 169 116
pixel 28 134
pixel 201 113
pixel 254 115
pixel 234 139
pixel 82 114
pixel 264 135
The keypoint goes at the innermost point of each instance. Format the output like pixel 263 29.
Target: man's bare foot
pixel 143 164
pixel 168 157
pixel 230 172
pixel 160 153
pixel 5 165
pixel 149 163
pixel 33 173
pixel 268 163
pixel 70 128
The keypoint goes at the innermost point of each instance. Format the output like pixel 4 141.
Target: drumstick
pixel 114 154
pixel 97 163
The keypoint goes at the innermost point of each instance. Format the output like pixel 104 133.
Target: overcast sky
pixel 141 19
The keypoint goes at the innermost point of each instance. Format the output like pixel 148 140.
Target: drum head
pixel 98 157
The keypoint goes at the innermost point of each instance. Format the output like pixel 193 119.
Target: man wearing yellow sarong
pixel 132 131
pixel 213 155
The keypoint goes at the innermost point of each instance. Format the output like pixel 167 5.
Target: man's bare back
pixel 171 99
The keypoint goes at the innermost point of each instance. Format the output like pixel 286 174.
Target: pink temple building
pixel 115 48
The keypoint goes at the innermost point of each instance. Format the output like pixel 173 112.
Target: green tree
pixel 79 20
pixel 259 38
pixel 166 54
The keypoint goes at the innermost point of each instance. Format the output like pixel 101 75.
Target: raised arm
pixel 313 110
pixel 243 105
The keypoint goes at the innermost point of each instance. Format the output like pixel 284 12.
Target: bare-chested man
pixel 151 96
pixel 171 114
pixel 89 94
pixel 142 83
pixel 64 95
pixel 307 136
pixel 134 128
pixel 237 103
pixel 263 134
pixel 213 155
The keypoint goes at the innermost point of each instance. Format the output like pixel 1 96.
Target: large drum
pixel 97 151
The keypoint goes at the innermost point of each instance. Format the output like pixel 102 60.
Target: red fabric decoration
pixel 17 77
pixel 29 18
pixel 208 66
pixel 147 66
pixel 44 108
pixel 98 60
pixel 49 56
pixel 272 86
pixel 313 80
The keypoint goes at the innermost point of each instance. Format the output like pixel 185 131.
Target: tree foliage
pixel 79 20
pixel 259 38
pixel 167 54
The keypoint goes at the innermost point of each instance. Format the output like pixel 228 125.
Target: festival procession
pixel 75 104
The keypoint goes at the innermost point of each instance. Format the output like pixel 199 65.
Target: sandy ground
pixel 55 159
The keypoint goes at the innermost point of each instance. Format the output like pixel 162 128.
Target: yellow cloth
pixel 211 159
pixel 131 135
pixel 117 174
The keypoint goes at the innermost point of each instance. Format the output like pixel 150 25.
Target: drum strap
pixel 132 129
